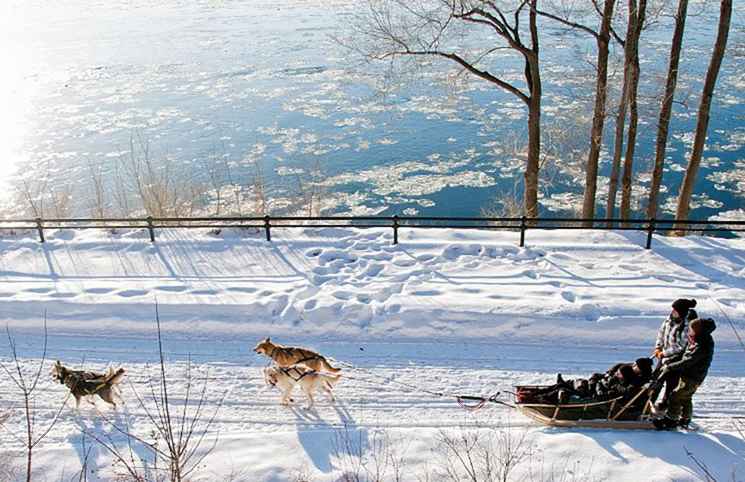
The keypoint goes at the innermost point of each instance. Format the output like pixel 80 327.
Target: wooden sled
pixel 616 413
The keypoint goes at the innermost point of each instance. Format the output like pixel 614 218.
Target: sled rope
pixel 461 399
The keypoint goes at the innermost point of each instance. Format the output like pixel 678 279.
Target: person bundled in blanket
pixel 621 379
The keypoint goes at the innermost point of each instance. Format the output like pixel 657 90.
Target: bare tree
pixel 602 39
pixel 180 428
pixel 397 28
pixel 27 384
pixel 98 208
pixel 667 106
pixel 631 53
pixel 482 456
pixel 627 101
pixel 702 124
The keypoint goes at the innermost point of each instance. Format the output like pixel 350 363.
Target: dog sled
pixel 622 412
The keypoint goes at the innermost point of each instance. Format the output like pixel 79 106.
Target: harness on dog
pixel 288 351
pixel 77 381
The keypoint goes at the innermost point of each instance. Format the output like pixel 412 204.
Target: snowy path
pixel 377 396
pixel 463 312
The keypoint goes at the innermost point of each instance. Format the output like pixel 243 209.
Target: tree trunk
pixel 667 108
pixel 702 124
pixel 598 119
pixel 628 162
pixel 534 155
pixel 621 116
pixel 533 78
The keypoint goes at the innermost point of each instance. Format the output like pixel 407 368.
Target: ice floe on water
pixel 228 77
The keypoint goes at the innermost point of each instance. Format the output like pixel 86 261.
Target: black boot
pixel 664 423
pixel 684 423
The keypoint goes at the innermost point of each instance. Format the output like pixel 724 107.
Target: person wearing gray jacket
pixel 671 342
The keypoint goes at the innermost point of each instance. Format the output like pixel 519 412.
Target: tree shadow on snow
pixel 720 453
pixel 95 431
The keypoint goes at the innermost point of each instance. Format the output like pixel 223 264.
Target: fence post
pixel 40 229
pixel 267 228
pixel 150 228
pixel 523 227
pixel 395 229
pixel 650 231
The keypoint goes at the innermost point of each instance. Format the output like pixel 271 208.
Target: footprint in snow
pixel 171 289
pixel 131 293
pixel 426 293
pixel 394 308
pixel 569 296
pixel 238 289
pixel 38 290
pixel 423 258
pixel 63 294
pixel 203 292
pixel 666 279
pixel 404 262
pixel 373 270
pixel 98 291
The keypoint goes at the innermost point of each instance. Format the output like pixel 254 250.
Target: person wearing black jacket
pixel 692 368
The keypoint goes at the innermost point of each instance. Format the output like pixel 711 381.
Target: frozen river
pixel 212 89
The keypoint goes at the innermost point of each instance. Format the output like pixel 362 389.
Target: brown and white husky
pixel 287 356
pixel 310 381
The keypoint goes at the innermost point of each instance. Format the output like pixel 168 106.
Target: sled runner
pixel 622 412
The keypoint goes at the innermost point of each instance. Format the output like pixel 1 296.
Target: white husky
pixel 309 380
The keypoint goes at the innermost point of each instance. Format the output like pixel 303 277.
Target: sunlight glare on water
pixel 16 90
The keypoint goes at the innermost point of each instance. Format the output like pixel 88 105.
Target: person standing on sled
pixel 691 370
pixel 671 343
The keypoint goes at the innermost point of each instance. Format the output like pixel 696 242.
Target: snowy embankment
pixel 444 310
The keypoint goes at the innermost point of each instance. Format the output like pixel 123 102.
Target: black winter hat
pixel 645 365
pixel 682 306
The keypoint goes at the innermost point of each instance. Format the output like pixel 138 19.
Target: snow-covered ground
pixel 461 312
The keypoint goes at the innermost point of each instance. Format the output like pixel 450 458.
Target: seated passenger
pixel 619 380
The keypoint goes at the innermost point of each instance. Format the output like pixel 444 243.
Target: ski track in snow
pixel 466 313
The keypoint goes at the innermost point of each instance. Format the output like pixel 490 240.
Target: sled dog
pixel 310 381
pixel 83 384
pixel 287 356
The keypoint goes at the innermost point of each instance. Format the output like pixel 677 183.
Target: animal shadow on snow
pixel 323 439
pixel 720 452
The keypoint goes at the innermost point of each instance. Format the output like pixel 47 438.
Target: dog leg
pixel 285 399
pixel 77 402
pixel 309 394
pixel 328 391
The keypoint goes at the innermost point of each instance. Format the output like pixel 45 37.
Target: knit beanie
pixel 645 366
pixel 682 306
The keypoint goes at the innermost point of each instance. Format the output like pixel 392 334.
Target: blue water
pixel 229 85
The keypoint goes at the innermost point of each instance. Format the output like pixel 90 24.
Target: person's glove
pixel 657 353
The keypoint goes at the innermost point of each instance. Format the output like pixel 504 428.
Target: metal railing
pixel 396 223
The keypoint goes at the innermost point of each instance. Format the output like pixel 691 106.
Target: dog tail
pixel 327 366
pixel 115 377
